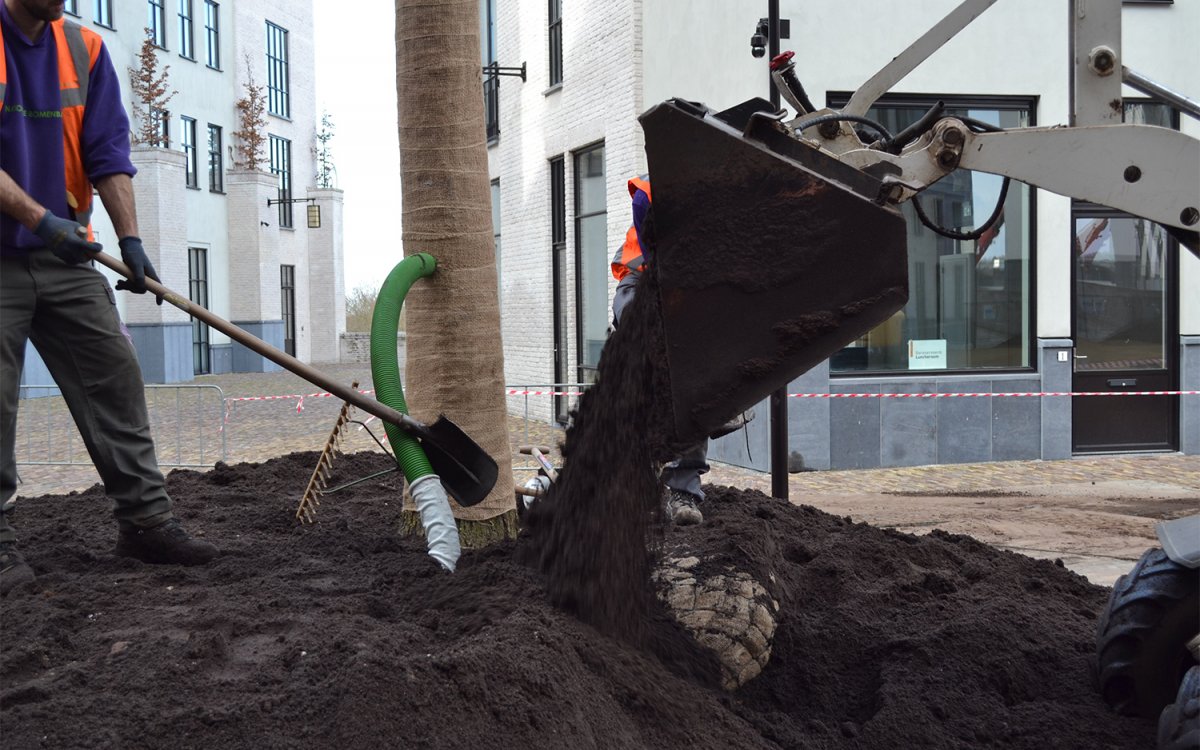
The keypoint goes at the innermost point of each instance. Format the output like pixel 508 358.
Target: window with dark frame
pixel 1123 271
pixel 278 102
pixel 287 299
pixel 102 14
pixel 191 158
pixel 162 122
pixel 558 261
pixel 72 7
pixel 491 77
pixel 281 167
pixel 216 166
pixel 970 303
pixel 212 34
pixel 556 42
pixel 198 293
pixel 187 36
pixel 156 21
pixel 592 255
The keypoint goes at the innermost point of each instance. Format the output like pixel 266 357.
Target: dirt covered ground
pixel 341 634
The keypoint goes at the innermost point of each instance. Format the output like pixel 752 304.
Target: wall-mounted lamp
pixel 314 211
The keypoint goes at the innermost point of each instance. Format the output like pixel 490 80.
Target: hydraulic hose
pixel 441 531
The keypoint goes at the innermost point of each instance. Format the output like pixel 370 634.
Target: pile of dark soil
pixel 342 635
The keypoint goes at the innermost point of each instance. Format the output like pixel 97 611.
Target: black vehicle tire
pixel 1179 724
pixel 1141 644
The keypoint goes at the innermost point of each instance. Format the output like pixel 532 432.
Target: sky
pixel 356 84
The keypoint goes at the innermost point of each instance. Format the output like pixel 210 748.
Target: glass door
pixel 1126 334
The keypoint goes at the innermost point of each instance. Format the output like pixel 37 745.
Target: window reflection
pixel 969 300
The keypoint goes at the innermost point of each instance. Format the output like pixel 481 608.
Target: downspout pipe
pixel 441 531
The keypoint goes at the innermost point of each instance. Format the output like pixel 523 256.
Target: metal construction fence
pixel 186 422
pixel 195 426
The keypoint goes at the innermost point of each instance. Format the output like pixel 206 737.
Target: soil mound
pixel 342 635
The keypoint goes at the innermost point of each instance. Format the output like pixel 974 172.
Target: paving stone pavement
pixel 265 416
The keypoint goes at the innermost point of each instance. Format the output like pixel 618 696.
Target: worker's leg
pixel 16 313
pixel 623 296
pixel 78 333
pixel 683 474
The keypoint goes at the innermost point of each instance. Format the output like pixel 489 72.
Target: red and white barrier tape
pixel 299 400
pixel 516 392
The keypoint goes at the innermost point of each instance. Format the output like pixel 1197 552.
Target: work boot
pixel 164 544
pixel 682 510
pixel 734 424
pixel 13 568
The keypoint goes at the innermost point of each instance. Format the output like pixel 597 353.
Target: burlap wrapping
pixel 455 361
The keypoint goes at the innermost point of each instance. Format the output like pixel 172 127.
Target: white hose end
pixel 441 531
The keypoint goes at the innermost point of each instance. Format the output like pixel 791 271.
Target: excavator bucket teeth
pixel 770 256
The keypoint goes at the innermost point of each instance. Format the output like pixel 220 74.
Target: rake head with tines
pixel 307 511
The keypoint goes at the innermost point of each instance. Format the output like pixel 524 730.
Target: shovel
pixel 466 470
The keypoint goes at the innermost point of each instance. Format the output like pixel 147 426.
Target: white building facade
pixel 203 217
pixel 1062 297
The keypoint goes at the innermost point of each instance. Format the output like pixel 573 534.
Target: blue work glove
pixel 66 239
pixel 134 256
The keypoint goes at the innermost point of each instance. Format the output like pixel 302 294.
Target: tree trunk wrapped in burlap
pixel 455 361
pixel 727 611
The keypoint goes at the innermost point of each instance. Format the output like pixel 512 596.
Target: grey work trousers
pixel 682 474
pixel 69 312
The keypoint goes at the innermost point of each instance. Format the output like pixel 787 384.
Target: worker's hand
pixel 66 239
pixel 134 256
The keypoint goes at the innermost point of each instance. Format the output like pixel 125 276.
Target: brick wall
pixel 326 278
pixel 598 101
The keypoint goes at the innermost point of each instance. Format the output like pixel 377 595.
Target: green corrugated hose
pixel 385 366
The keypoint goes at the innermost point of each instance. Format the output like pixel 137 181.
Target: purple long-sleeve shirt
pixel 31 129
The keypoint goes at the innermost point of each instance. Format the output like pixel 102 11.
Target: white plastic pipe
pixel 441 532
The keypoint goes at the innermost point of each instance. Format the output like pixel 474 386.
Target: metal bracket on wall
pixel 496 69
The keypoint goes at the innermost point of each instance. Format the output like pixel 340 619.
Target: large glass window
pixel 556 42
pixel 281 167
pixel 591 258
pixel 189 151
pixel 970 302
pixel 156 21
pixel 212 34
pixel 278 102
pixel 1122 268
pixel 186 37
pixel 198 293
pixel 491 76
pixel 102 13
pixel 71 6
pixel 216 163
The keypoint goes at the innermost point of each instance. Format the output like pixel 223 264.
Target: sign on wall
pixel 927 354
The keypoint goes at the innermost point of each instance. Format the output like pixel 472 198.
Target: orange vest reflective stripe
pixel 78 49
pixel 629 257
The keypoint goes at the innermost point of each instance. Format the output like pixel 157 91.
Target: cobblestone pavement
pixel 265 417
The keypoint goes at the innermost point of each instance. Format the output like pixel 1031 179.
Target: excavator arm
pixel 778 240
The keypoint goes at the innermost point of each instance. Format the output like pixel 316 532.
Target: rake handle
pixel 278 356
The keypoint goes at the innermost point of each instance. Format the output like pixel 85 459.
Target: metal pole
pixel 779 411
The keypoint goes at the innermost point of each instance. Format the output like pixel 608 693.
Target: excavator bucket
pixel 770 256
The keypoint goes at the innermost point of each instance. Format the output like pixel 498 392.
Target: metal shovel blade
pixel 770 256
pixel 467 472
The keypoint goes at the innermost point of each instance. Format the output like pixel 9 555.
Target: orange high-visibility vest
pixel 629 257
pixel 78 49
